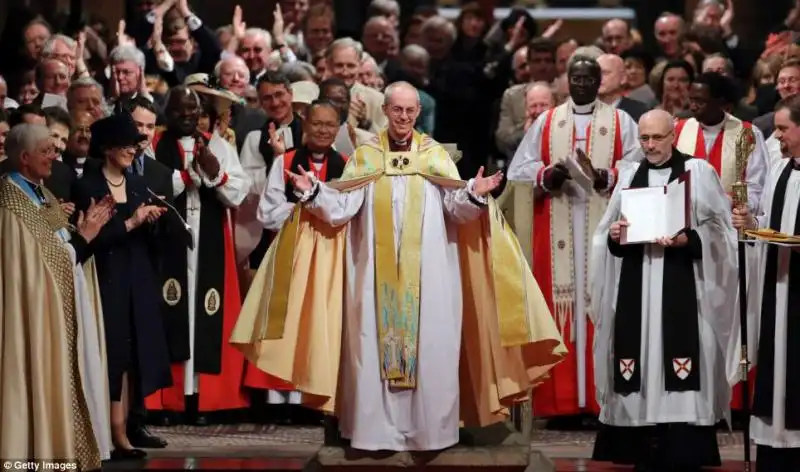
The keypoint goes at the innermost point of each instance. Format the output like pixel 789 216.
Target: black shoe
pixel 143 439
pixel 199 420
pixel 127 454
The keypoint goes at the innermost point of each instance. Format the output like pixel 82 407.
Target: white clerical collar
pixel 583 109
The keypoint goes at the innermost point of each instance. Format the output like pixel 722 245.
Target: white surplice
pixel 716 289
pixel 91 357
pixel 757 164
pixel 525 167
pixel 774 152
pixel 372 415
pixel 248 229
pixel 231 194
pixel 775 434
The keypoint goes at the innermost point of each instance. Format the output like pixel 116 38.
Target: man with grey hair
pixel 127 70
pixel 256 46
pixel 64 49
pixel 395 344
pixel 86 95
pixel 569 199
pixel 232 74
pixel 46 291
pixel 344 61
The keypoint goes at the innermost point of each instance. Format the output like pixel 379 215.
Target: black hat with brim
pixel 116 131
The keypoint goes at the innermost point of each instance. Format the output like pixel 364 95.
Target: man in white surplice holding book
pixel 666 330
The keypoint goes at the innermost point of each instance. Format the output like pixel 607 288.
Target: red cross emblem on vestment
pixel 682 367
pixel 626 367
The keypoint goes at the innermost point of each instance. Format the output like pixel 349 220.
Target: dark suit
pixel 745 112
pixel 244 120
pixel 158 177
pixel 766 123
pixel 634 108
pixel 129 288
pixel 62 179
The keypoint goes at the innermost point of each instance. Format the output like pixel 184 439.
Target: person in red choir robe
pixel 711 134
pixel 565 215
pixel 201 299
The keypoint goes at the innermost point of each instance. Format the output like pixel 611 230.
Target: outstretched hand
pixel 482 186
pixel 303 181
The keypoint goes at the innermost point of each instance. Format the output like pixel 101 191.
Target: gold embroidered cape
pixel 291 321
pixel 43 414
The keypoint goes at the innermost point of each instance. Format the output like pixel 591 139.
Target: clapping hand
pixel 303 181
pixel 67 207
pixel 358 109
pixel 482 186
pixel 206 159
pixel 555 176
pixel 96 216
pixel 146 213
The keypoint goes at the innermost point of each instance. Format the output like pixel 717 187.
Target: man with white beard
pixel 666 348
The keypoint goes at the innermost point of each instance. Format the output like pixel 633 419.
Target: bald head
pixel 655 134
pixel 669 30
pixel 540 98
pixel 401 106
pixel 612 68
pixel 616 36
pixel 660 119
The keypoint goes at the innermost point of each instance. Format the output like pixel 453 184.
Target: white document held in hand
pixel 656 212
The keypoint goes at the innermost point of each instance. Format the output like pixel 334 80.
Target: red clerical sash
pixel 722 154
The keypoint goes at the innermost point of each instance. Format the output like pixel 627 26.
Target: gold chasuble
pixel 291 321
pixel 43 411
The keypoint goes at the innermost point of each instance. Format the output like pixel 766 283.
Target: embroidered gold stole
pixel 725 163
pixel 397 280
pixel 600 149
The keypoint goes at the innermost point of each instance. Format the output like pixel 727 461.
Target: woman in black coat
pixel 136 345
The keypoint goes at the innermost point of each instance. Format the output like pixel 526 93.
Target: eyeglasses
pixel 657 138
